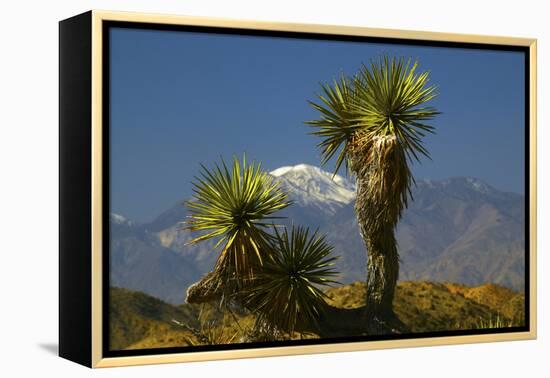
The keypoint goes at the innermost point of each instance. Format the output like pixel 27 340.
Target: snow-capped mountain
pixel 311 186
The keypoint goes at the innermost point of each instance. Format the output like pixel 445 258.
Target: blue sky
pixel 179 99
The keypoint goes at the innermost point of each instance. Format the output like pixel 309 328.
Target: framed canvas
pixel 235 189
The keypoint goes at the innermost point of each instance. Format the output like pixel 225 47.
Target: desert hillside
pixel 140 321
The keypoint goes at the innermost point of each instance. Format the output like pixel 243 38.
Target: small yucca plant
pixel 287 291
pixel 497 322
pixel 235 207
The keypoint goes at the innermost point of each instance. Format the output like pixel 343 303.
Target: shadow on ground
pixel 51 348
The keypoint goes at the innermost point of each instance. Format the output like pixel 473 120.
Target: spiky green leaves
pixel 392 97
pixel 287 292
pixel 337 124
pixel 386 99
pixel 236 206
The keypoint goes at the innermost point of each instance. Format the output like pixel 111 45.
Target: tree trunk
pixel 381 196
pixel 382 275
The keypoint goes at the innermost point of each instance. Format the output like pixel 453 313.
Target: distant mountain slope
pixel 140 262
pixel 139 321
pixel 459 230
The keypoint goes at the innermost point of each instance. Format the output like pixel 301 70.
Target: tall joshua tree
pixel 373 123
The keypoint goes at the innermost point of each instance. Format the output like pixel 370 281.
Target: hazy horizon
pixel 180 201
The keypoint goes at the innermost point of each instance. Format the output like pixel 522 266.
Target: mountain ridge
pixel 458 229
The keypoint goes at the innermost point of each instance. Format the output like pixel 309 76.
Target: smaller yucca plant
pixel 497 322
pixel 235 207
pixel 287 293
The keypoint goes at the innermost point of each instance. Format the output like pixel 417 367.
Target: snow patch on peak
pixel 299 168
pixel 311 186
pixel 311 170
pixel 119 219
pixel 478 185
pixel 280 171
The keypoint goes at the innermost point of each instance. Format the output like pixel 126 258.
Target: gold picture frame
pixel 82 42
